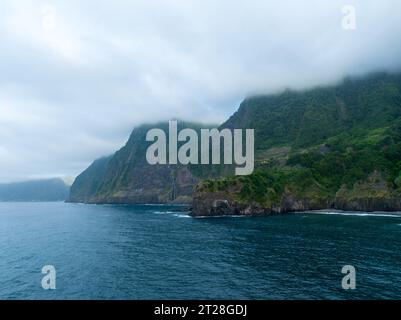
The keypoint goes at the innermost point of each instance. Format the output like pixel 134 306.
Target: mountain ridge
pixel 34 190
pixel 315 150
pixel 126 177
pixel 335 146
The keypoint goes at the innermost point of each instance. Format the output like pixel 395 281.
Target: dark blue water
pixel 150 252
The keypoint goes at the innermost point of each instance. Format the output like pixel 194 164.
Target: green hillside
pixel 126 177
pixel 337 146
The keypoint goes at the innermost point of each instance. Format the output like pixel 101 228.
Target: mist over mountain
pixel 95 70
pixel 331 146
pixel 127 177
pixel 38 190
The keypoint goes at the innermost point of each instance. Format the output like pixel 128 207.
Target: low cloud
pixel 76 76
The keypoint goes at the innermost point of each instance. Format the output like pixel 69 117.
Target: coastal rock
pixel 368 196
pixel 373 194
pixel 225 204
pixel 314 149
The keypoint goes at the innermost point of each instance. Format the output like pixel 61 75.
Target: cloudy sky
pixel 77 75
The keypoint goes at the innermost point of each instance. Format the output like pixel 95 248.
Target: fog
pixel 77 76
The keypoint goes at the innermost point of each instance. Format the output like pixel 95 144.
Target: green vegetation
pixel 328 138
pixel 313 148
pixel 126 177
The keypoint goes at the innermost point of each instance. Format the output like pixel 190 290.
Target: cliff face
pixel 330 147
pixel 221 204
pixel 147 184
pixel 126 177
pixel 370 195
pixel 373 194
pixel 87 183
pixel 335 147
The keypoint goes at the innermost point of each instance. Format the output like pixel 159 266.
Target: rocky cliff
pixel 335 147
pixel 329 147
pixel 373 194
pixel 126 177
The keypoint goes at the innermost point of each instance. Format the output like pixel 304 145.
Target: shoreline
pixel 188 208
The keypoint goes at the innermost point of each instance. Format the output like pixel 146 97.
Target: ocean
pixel 160 252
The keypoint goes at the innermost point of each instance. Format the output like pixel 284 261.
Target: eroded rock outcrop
pixel 370 195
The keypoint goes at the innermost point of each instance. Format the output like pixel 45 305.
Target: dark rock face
pixel 343 151
pixel 222 204
pixel 150 184
pixel 368 204
pixel 308 146
pixel 368 196
pixel 127 178
pixel 373 194
pixel 87 183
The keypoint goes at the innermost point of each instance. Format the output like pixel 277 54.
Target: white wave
pixel 163 212
pixel 165 205
pixel 359 214
pixel 178 215
pixel 221 216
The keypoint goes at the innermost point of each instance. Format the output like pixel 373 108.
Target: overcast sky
pixel 77 75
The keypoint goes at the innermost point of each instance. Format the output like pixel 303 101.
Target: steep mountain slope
pixel 333 147
pixel 306 118
pixel 39 190
pixel 328 147
pixel 126 177
pixel 87 183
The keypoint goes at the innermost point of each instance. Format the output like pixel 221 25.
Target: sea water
pixel 160 252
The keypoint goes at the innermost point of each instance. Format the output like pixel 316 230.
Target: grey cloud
pixel 76 76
